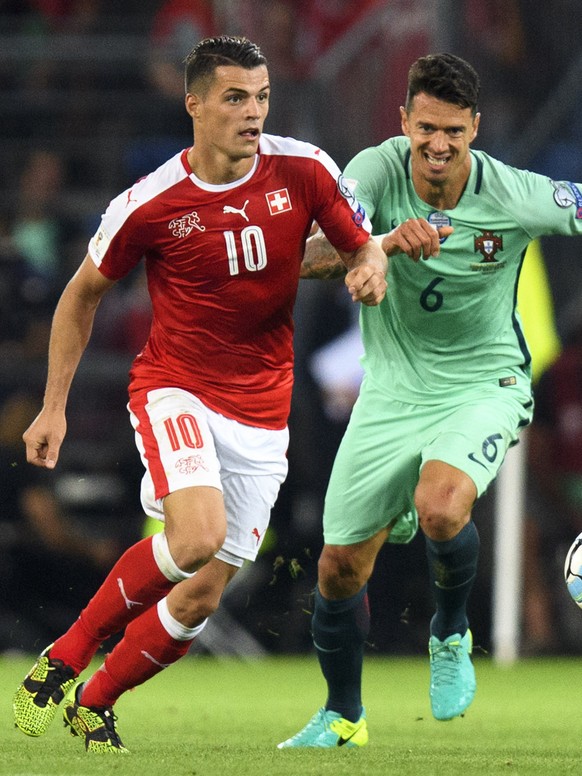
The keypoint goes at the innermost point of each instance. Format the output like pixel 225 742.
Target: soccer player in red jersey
pixel 222 227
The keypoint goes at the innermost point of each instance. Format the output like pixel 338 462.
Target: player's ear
pixel 404 121
pixel 476 121
pixel 192 102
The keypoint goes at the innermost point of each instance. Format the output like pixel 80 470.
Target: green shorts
pixel 387 443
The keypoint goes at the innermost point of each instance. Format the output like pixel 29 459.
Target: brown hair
pixel 211 53
pixel 446 77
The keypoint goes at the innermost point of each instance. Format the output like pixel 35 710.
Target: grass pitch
pixel 215 717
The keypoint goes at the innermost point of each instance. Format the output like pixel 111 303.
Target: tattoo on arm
pixel 321 260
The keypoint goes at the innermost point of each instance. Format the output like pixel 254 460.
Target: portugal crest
pixel 487 244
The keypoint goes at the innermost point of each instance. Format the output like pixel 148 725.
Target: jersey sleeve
pixel 119 243
pixel 339 213
pixel 366 174
pixel 541 205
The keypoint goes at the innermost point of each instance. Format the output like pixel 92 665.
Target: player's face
pixel 229 118
pixel 440 136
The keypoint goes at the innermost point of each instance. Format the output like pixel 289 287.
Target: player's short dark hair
pixel 211 53
pixel 446 77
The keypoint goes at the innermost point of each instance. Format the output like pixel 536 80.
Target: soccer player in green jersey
pixel 447 384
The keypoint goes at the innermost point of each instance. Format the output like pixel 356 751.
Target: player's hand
pixel 43 439
pixel 367 284
pixel 416 238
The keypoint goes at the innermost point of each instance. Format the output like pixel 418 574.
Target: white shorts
pixel 185 444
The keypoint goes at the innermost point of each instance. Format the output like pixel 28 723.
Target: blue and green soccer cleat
pixel 96 726
pixel 452 675
pixel 44 687
pixel 329 729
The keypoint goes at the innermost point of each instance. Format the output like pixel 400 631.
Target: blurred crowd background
pixel 91 98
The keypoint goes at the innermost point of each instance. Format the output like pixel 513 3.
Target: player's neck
pixel 445 194
pixel 217 170
pixel 444 197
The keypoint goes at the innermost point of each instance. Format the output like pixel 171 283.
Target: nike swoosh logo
pixel 342 740
pixel 471 457
pixel 323 649
pixel 453 587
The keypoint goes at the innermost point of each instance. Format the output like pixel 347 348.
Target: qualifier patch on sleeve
pixel 505 381
pixel 99 244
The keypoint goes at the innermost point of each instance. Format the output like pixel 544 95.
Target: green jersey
pixel 449 323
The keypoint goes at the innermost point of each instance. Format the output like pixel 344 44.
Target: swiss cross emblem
pixel 488 244
pixel 278 201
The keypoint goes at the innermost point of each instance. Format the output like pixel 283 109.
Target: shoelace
pixel 109 720
pixel 445 657
pixel 312 722
pixel 58 673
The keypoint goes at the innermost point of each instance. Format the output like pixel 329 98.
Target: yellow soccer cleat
pixel 36 700
pixel 96 726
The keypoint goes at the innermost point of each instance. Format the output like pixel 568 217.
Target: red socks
pixel 133 585
pixel 144 651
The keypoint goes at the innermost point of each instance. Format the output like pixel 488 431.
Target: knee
pixel 193 550
pixel 441 513
pixel 195 526
pixel 339 574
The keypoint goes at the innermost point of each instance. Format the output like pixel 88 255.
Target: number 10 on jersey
pixel 253 248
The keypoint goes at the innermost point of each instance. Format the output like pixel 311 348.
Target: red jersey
pixel 222 265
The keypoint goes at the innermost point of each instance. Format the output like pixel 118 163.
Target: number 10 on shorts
pixel 184 432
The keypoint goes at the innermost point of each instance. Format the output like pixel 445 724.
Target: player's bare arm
pixel 366 277
pixel 321 260
pixel 416 238
pixel 364 269
pixel 70 332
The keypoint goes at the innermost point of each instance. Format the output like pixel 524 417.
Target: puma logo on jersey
pixel 128 602
pixel 236 210
pixel 181 227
